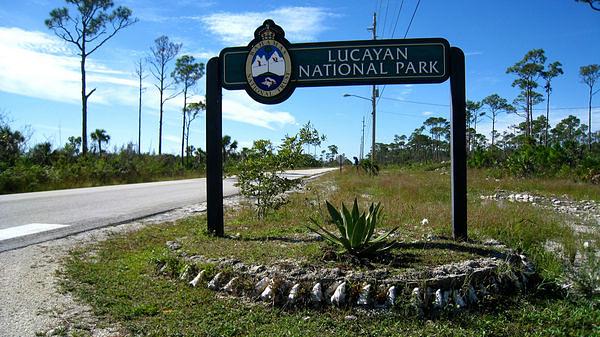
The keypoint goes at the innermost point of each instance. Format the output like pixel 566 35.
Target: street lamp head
pixel 347 95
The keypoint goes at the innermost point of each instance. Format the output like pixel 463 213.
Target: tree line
pixel 91 24
pixel 532 146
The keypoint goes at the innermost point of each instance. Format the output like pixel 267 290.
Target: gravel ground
pixel 583 216
pixel 31 304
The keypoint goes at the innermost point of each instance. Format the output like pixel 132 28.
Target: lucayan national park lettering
pixel 370 62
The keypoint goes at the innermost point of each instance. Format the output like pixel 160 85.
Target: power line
pixel 411 19
pixel 405 34
pixel 379 10
pixel 387 6
pixel 400 113
pixel 448 105
pixel 397 18
pixel 414 102
pixel 574 108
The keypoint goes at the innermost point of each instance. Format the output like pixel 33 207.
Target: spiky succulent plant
pixel 356 230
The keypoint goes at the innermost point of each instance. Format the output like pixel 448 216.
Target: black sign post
pixel 214 156
pixel 458 146
pixel 270 69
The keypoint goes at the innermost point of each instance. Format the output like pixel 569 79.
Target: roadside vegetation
pixel 118 277
pixel 532 147
pixel 25 168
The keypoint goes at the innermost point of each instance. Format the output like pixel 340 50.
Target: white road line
pixel 31 228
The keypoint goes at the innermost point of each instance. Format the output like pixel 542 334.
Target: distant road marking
pixel 23 230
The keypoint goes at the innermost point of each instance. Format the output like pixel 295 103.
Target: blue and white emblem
pixel 268 65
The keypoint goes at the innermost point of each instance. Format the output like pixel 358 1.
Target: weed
pixel 586 276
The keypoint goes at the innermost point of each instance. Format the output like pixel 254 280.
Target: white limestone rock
pixel 229 287
pixel 197 279
pixel 364 298
pixel 441 299
pixel 216 282
pixel 339 296
pixel 392 295
pixel 293 295
pixel 262 285
pixel 416 301
pixel 316 294
pixel 415 298
pixel 267 295
pixel 185 274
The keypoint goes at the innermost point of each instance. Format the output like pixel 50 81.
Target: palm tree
pixel 229 147
pixel 99 136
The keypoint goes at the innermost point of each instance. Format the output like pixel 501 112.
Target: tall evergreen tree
pixel 187 73
pixel 528 70
pixel 192 111
pixel 594 4
pixel 589 75
pixel 88 29
pixel 554 69
pixel 163 52
pixel 496 105
pixel 473 115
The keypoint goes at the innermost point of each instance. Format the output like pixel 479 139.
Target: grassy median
pixel 118 278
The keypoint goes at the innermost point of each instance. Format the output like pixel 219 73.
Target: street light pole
pixel 374 94
pixel 373 102
pixel 362 140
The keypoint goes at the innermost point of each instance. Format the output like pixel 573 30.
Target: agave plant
pixel 356 230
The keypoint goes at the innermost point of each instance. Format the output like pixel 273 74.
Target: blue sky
pixel 39 75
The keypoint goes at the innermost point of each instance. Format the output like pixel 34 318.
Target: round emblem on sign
pixel 268 68
pixel 269 65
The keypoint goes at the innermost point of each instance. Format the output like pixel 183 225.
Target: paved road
pixel 29 218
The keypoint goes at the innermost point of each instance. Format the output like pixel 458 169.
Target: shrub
pixel 259 177
pixel 356 230
pixel 369 167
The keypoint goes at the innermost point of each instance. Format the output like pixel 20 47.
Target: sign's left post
pixel 214 156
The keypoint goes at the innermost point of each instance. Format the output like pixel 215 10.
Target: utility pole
pixel 375 93
pixel 362 140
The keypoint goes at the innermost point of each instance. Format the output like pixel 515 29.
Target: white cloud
pixel 172 139
pixel 37 64
pixel 40 65
pixel 404 93
pixel 301 23
pixel 427 113
pixel 204 54
pixel 237 106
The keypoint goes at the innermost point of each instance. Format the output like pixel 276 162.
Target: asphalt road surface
pixel 29 218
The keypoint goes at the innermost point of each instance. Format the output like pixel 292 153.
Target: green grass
pixel 118 276
pixel 483 180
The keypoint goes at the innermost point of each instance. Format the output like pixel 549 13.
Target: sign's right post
pixel 458 146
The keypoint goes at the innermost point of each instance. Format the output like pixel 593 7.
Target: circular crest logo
pixel 268 65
